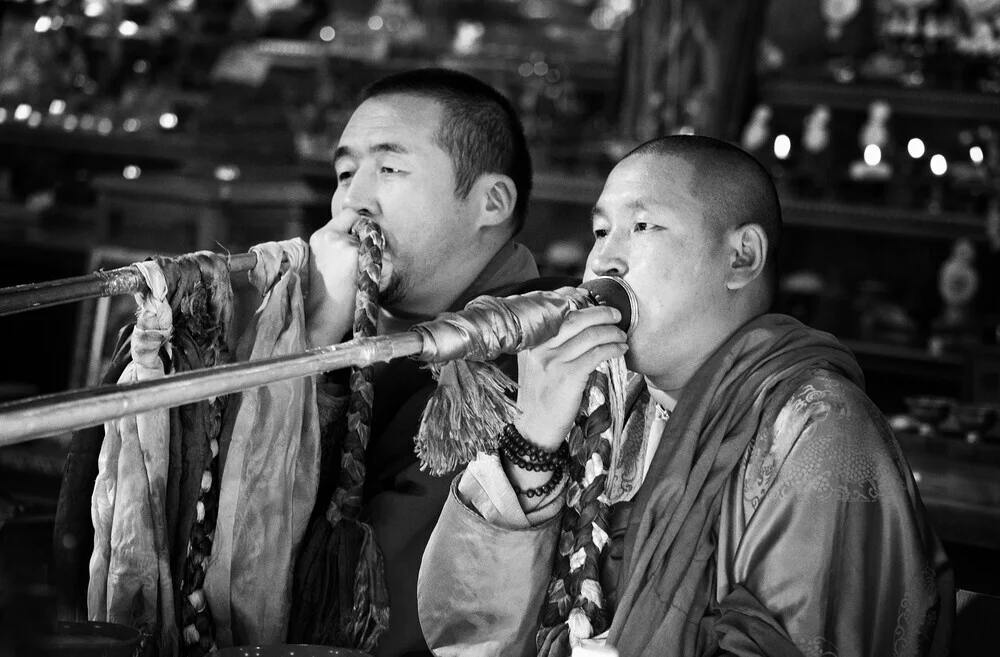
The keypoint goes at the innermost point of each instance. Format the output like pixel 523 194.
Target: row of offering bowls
pixel 945 416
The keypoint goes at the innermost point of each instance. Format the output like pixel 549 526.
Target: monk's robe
pixel 819 543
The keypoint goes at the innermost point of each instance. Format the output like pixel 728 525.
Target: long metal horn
pixel 124 280
pixel 536 316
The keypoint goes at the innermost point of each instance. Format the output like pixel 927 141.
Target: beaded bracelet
pixel 524 464
pixel 515 446
pixel 544 489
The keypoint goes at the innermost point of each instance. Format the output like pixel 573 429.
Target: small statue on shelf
pixel 875 142
pixel 894 31
pixel 814 169
pixel 880 318
pixel 973 179
pixel 886 63
pixel 938 31
pixel 931 31
pixel 756 137
pixel 989 81
pixel 957 284
pixel 914 40
pixel 838 15
pixel 980 49
pixel 993 224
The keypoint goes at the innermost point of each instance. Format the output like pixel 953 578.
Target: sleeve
pixel 485 488
pixel 404 516
pixel 481 586
pixel 837 546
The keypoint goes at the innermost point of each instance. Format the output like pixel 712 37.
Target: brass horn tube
pixel 124 280
pixel 57 413
pixel 60 412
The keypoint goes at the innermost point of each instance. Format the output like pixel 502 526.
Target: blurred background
pixel 138 127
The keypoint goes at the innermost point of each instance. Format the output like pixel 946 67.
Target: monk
pixel 753 500
pixel 438 159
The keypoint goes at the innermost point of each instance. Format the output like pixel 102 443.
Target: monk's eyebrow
pixel 341 152
pixel 384 147
pixel 389 147
pixel 635 205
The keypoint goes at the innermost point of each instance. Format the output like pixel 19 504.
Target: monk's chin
pixel 392 291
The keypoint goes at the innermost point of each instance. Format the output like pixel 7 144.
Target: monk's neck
pixel 666 399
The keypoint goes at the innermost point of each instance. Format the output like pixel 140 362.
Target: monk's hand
pixel 333 274
pixel 553 375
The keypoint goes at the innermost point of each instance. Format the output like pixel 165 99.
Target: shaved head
pixel 733 188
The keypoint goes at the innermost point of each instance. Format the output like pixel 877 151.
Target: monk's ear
pixel 747 248
pixel 496 196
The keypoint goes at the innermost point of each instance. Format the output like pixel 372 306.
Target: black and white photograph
pixel 499 328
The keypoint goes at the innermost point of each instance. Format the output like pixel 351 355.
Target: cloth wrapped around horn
pixel 472 402
pixel 351 608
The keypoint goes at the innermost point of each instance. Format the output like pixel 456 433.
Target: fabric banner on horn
pixel 270 465
pixel 130 580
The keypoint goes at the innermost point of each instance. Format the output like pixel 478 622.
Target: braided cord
pixel 575 601
pixel 203 300
pixel 347 498
pixel 197 624
pixel 368 618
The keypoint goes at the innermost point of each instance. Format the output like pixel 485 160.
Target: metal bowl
pixel 976 417
pixel 932 410
pixel 289 651
pixel 88 639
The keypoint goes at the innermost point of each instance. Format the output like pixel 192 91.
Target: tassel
pixel 464 415
pixel 351 609
pixel 371 596
pixel 553 641
pixel 318 612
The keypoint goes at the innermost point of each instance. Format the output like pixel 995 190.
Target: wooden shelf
pixel 566 188
pixel 304 54
pixel 960 486
pixel 882 220
pixel 877 357
pixel 953 450
pixel 138 146
pixel 584 190
pixel 548 187
pixel 929 103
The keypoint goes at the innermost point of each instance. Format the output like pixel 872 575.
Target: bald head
pixel 733 188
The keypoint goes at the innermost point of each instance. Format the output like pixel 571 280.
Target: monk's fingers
pixel 586 340
pixel 579 321
pixel 590 359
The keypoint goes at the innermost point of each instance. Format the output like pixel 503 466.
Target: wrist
pixel 534 471
pixel 546 486
pixel 543 435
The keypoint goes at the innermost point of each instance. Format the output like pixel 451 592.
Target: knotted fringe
pixel 473 399
pixel 464 415
pixel 554 641
pixel 370 615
